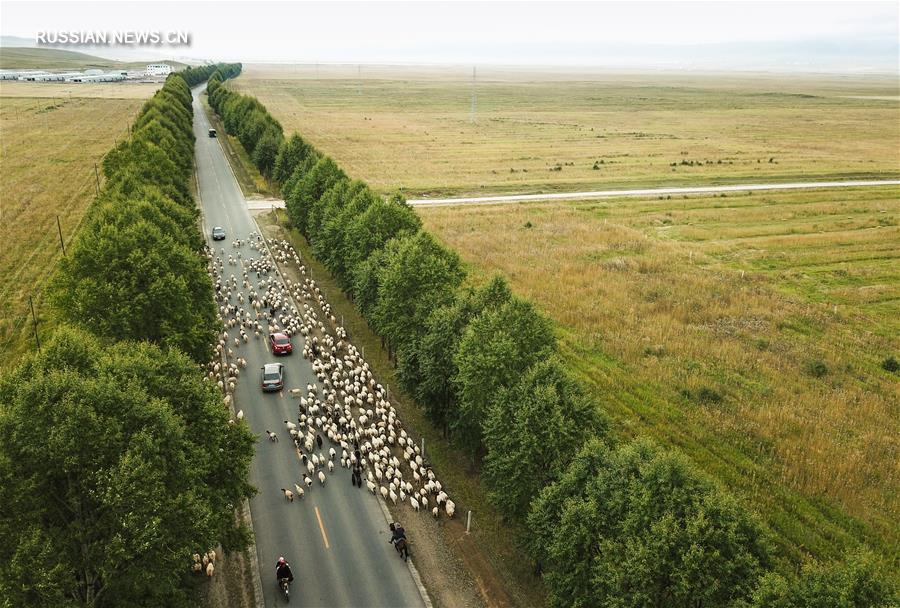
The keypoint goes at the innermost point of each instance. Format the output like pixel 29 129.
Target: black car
pixel 212 133
pixel 272 377
pixel 218 233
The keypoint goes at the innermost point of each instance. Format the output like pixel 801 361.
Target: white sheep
pixel 288 494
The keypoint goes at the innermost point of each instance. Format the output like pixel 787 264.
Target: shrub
pixel 890 364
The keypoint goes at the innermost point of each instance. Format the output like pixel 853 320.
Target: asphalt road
pixel 569 196
pixel 336 537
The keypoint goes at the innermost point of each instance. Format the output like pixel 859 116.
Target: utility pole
pixel 474 97
pixel 97 175
pixel 359 79
pixel 34 325
pixel 61 242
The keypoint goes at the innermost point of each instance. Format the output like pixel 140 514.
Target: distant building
pixel 159 69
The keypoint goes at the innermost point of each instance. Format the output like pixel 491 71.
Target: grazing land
pixel 748 330
pixel 49 148
pixel 540 131
pixel 14 58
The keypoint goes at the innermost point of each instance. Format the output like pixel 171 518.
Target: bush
pixel 890 365
pixel 817 368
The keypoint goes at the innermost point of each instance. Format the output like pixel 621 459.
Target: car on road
pixel 212 133
pixel 280 343
pixel 272 377
pixel 218 233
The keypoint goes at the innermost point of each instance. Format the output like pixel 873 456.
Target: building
pixel 159 69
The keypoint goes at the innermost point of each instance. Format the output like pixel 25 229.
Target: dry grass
pixel 411 127
pixel 701 321
pixel 49 148
pixel 72 90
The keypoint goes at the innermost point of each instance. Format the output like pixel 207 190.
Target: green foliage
pixel 856 582
pixel 817 368
pixel 380 222
pixel 496 349
pixel 428 369
pixel 309 189
pixel 638 526
pixel 133 467
pixel 890 364
pixel 417 276
pixel 266 150
pixel 292 152
pixel 126 278
pixel 530 432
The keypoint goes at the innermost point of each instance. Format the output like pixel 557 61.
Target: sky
pixel 819 36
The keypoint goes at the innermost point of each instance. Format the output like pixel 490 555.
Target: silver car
pixel 272 377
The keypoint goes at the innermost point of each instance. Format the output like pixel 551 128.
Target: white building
pixel 159 69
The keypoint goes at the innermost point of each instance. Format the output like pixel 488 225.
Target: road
pixel 570 196
pixel 336 537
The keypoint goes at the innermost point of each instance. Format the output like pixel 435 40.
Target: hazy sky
pixel 852 35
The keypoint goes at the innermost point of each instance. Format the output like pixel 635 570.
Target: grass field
pixel 748 330
pixel 412 127
pixel 12 58
pixel 48 148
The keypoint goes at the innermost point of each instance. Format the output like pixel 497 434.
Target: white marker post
pixel 423 447
pixel 469 521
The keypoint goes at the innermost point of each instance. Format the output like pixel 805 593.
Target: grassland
pixel 748 330
pixel 412 127
pixel 12 58
pixel 48 148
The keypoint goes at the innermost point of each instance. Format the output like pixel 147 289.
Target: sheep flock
pixel 346 405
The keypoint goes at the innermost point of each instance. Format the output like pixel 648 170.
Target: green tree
pixel 266 150
pixel 380 222
pixel 125 278
pixel 133 468
pixel 310 189
pixel 647 530
pixel 496 349
pixel 857 581
pixel 531 431
pixel 427 370
pixel 417 276
pixel 292 152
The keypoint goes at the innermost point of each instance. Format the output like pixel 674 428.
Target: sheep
pixel 212 556
pixel 321 478
pixel 435 511
pixel 371 486
pixel 330 466
pixel 272 436
pixel 414 503
pixel 300 492
pixel 290 425
pixel 288 494
pixel 384 492
pixel 240 415
pixel 307 481
pixel 450 507
pixel 210 569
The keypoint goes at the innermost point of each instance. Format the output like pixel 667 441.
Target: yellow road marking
pixel 322 528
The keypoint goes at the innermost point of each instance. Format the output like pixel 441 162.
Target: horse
pixel 402 548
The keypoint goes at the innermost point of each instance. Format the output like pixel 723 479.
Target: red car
pixel 281 344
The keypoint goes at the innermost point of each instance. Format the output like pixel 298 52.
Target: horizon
pixel 833 37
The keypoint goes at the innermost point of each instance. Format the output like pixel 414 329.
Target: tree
pixel 857 581
pixel 647 530
pixel 291 153
pixel 266 150
pixel 134 469
pixel 496 349
pixel 428 370
pixel 380 222
pixel 418 275
pixel 125 278
pixel 530 432
pixel 310 189
pixel 334 217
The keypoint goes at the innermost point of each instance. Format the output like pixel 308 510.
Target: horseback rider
pixel 397 533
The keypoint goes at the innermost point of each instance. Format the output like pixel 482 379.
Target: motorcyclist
pixel 283 570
